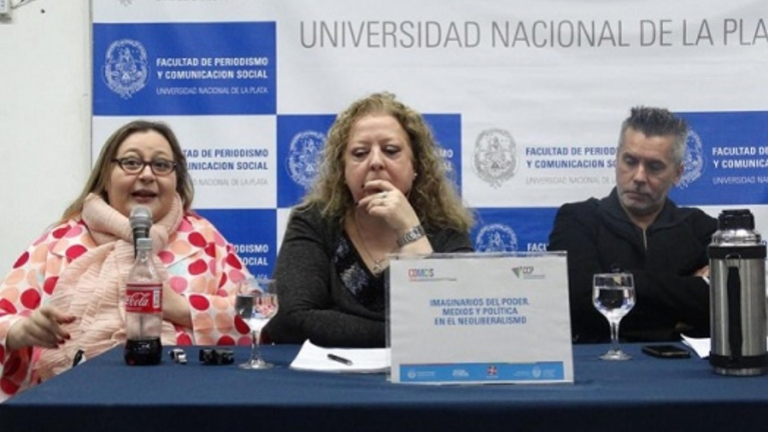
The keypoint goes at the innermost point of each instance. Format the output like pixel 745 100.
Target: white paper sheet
pixel 702 346
pixel 363 360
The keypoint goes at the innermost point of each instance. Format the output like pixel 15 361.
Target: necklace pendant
pixel 376 269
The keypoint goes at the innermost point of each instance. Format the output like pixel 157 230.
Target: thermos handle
pixel 733 286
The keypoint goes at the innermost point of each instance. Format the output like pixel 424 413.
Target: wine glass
pixel 614 296
pixel 256 303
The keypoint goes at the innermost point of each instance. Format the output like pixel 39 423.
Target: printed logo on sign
pixel 460 373
pixel 427 275
pixel 495 156
pixel 421 274
pixel 492 371
pixel 693 160
pixel 526 272
pixel 496 238
pixel 303 160
pixel 126 69
pixel 522 270
pixel 536 372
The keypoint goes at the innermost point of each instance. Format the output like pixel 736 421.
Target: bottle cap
pixel 144 243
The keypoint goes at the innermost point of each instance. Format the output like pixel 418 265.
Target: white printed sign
pixel 482 318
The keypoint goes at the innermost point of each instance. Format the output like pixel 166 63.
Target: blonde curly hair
pixel 433 196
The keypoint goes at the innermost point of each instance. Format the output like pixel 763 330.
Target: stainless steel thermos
pixel 737 296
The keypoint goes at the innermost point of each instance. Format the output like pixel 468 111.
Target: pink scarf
pixel 92 287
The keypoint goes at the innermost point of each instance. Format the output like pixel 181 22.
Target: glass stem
pixel 615 335
pixel 254 345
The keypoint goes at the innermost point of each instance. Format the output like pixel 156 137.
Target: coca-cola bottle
pixel 143 309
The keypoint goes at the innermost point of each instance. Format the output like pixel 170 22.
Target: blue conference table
pixel 644 394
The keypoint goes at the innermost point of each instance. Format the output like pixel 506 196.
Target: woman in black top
pixel 381 189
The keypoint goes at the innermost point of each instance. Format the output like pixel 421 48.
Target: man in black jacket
pixel 637 229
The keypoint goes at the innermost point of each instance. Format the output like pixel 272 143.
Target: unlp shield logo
pixel 496 238
pixel 495 156
pixel 693 161
pixel 126 69
pixel 303 159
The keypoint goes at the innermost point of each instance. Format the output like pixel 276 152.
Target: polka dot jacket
pixel 201 266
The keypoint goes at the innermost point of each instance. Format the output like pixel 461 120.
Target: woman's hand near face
pixel 42 328
pixel 389 204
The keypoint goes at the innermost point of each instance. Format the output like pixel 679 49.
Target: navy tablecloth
pixel 644 394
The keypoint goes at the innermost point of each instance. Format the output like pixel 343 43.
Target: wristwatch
pixel 411 236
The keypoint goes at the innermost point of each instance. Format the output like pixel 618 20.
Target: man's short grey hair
pixel 658 122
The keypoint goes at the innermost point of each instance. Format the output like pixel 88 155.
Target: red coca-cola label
pixel 144 298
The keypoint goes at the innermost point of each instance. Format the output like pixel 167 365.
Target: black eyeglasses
pixel 134 165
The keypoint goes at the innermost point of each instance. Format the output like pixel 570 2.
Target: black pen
pixel 79 356
pixel 334 357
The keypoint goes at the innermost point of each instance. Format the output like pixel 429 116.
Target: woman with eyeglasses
pixel 66 292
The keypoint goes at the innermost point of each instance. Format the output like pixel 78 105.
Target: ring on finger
pixel 383 195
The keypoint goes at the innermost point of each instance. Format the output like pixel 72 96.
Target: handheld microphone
pixel 141 222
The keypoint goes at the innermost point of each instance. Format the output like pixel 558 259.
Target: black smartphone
pixel 666 351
